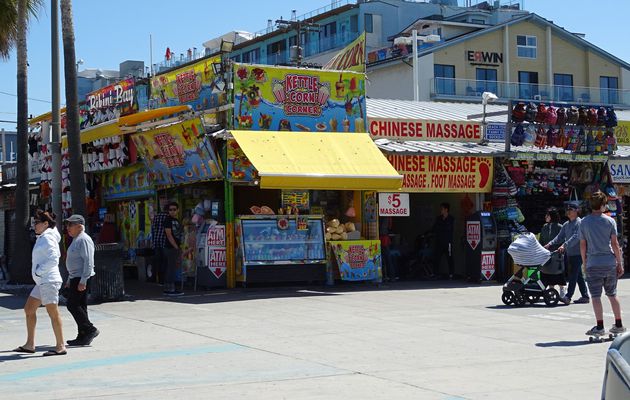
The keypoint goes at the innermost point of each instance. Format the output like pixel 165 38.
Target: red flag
pixel 168 53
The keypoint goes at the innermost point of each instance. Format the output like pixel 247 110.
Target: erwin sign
pixel 484 57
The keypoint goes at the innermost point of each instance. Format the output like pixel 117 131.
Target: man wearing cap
pixel 80 265
pixel 569 242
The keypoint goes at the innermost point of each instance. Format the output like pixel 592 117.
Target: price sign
pixel 393 205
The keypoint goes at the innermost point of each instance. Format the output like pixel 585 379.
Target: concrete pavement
pixel 398 341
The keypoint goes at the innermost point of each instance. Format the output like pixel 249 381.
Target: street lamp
pixel 413 41
pixel 486 97
pixel 79 62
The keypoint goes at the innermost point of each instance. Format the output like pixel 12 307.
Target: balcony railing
pixel 326 43
pixel 462 89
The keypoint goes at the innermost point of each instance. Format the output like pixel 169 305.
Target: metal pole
pixel 4 147
pixel 414 44
pixel 55 144
pixel 508 130
pixel 151 52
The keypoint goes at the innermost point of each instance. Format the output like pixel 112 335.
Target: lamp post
pixel 413 41
pixel 486 97
pixel 80 62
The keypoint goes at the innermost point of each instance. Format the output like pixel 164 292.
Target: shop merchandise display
pixel 335 230
pixel 505 208
pixel 583 129
pixel 104 154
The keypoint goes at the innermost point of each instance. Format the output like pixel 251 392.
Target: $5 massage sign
pixel 444 173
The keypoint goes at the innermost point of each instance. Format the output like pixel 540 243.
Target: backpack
pixel 541 116
pixel 530 135
pixel 552 116
pixel 590 142
pixel 583 146
pixel 573 115
pixel 601 116
pixel 563 139
pixel 582 116
pixel 518 136
pixel 561 116
pixel 531 112
pixel 552 137
pixel 573 140
pixel 611 143
pixel 518 112
pixel 541 138
pixel 592 116
pixel 611 118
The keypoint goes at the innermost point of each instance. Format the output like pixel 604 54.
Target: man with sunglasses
pixel 173 233
pixel 80 265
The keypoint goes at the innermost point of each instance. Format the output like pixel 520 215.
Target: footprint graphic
pixel 484 171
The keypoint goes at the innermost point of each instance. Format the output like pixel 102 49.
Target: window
pixel 252 56
pixel 609 92
pixel 354 23
pixel 486 80
pixel 563 87
pixel 276 52
pixel 444 79
pixel 478 21
pixel 526 46
pixel 292 41
pixel 527 84
pixel 369 24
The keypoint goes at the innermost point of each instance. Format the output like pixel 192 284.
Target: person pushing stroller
pixel 569 242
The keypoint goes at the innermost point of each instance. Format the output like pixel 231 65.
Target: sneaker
pixel 582 300
pixel 596 331
pixel 88 338
pixel 75 342
pixel 565 300
pixel 617 330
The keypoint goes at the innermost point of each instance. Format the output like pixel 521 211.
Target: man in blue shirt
pixel 601 255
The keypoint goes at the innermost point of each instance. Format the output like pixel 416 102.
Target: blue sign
pixel 495 133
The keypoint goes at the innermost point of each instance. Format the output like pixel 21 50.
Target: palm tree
pixel 77 178
pixel 14 18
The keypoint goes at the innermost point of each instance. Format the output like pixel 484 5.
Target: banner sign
pixel 622 133
pixel 292 99
pixel 393 205
pixel 463 174
pixel 473 233
pixel 195 85
pixel 350 58
pixel 296 198
pixel 358 260
pixel 127 182
pixel 179 153
pixel 619 171
pixel 420 129
pixel 109 103
pixel 215 250
pixel 487 264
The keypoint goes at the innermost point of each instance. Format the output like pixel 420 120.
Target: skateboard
pixel 607 336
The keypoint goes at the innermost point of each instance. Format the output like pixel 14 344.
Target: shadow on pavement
pixel 565 343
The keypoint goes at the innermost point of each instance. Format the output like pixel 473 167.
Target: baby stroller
pixel 520 289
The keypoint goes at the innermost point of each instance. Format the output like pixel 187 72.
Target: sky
pixel 107 33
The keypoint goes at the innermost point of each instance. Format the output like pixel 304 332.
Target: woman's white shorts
pixel 47 293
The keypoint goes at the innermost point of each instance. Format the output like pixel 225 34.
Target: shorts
pixel 47 293
pixel 598 277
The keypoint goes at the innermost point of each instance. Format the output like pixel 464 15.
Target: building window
pixel 252 56
pixel 486 80
pixel 527 84
pixel 444 79
pixel 354 23
pixel 369 23
pixel 563 87
pixel 276 52
pixel 609 92
pixel 526 46
pixel 292 41
pixel 478 21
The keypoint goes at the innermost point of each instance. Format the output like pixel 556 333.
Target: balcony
pixel 323 44
pixel 470 89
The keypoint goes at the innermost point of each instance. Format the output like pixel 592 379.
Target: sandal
pixel 23 349
pixel 55 353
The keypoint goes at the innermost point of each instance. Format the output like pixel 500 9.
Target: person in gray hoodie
pixel 80 265
pixel 569 242
pixel 45 273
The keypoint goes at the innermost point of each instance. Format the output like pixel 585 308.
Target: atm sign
pixel 473 233
pixel 487 264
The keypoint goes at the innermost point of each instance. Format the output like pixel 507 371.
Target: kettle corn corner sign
pixel 421 129
pixel 464 174
pixel 297 99
pixel 195 85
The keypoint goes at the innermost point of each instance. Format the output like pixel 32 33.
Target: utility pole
pixel 298 27
pixel 55 143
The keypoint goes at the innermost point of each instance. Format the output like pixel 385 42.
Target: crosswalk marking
pixel 563 316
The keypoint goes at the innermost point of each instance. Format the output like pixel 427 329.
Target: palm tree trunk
pixel 20 263
pixel 77 177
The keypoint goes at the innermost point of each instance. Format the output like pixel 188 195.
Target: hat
pixel 76 219
pixel 571 205
pixel 611 193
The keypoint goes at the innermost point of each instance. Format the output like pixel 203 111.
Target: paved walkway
pixel 401 341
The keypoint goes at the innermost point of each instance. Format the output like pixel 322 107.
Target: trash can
pixel 108 284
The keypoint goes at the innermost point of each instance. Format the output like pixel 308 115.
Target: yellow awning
pixel 112 128
pixel 318 160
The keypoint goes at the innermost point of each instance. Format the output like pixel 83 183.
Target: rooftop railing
pixel 468 89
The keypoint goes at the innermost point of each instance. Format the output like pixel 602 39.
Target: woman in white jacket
pixel 45 271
